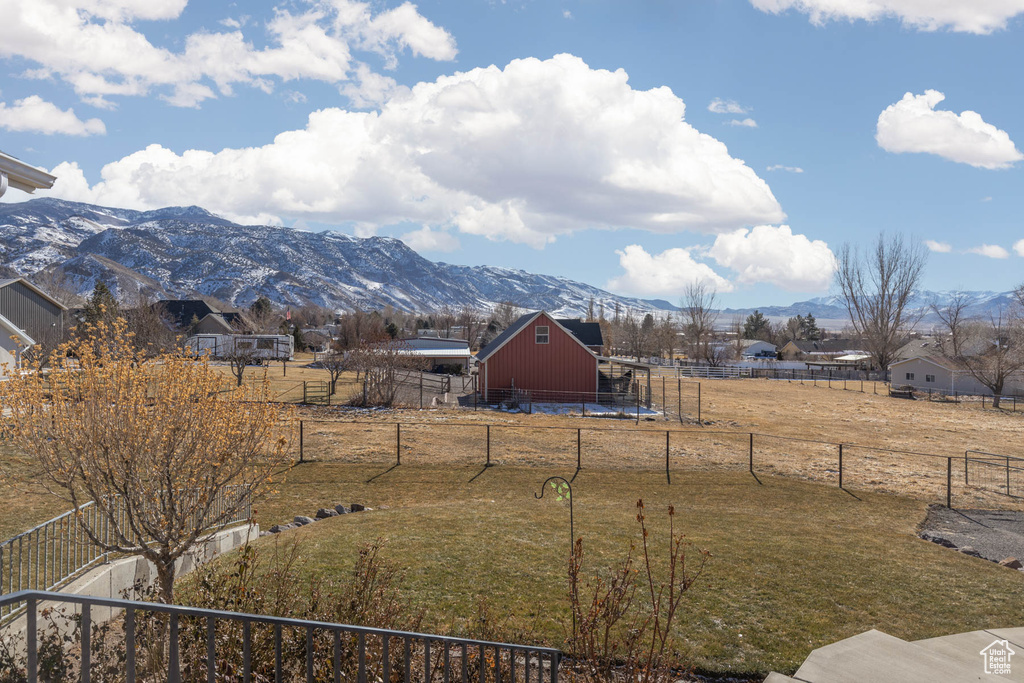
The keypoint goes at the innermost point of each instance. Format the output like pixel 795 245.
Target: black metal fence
pixel 52 553
pixel 271 648
pixel 674 451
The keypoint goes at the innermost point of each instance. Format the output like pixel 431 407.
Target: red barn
pixel 541 355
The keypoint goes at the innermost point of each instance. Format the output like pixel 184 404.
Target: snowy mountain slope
pixel 179 251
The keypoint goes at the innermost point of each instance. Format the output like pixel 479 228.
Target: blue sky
pixel 751 139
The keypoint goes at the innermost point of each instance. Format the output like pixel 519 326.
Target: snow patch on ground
pixel 591 409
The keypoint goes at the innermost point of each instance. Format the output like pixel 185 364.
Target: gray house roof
pixel 591 333
pixel 506 334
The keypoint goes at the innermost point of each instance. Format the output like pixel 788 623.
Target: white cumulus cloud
pixel 428 239
pixel 97 47
pixel 33 114
pixel 1018 247
pixel 746 123
pixel 990 251
pixel 664 274
pixel 524 153
pixel 788 169
pixel 938 247
pixel 720 106
pixel 775 255
pixel 967 16
pixel 914 125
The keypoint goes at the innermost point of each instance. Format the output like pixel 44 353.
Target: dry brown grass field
pixel 797 431
pixel 798 561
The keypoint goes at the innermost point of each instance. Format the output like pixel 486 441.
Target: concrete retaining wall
pixel 113 579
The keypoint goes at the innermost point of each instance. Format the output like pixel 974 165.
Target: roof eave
pixel 24 177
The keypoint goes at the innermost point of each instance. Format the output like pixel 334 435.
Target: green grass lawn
pixel 796 565
pixel 24 503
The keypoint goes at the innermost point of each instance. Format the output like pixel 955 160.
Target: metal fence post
pixel 579 449
pixel 1007 476
pixel 398 443
pixel 698 404
pixel 965 467
pixel 301 441
pixel 840 465
pixel 949 482
pixel 488 464
pixel 751 452
pixel 32 638
pixel 668 473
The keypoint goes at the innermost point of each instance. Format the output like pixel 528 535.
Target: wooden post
pixel 664 398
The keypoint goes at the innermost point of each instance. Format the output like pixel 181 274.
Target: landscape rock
pixel 303 521
pixel 341 509
pixel 356 507
pixel 944 542
pixel 1012 563
pixel 969 550
pixel 324 513
pixel 278 528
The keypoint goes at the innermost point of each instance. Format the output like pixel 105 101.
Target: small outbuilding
pixel 542 355
pixel 439 352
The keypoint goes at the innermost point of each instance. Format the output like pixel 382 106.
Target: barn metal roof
pixel 516 327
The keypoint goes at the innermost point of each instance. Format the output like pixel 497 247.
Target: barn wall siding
pixel 561 365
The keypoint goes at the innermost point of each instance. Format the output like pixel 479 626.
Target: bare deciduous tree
pixel 241 355
pixel 384 364
pixel 950 335
pixel 993 351
pixel 151 442
pixel 698 319
pixel 336 361
pixel 876 288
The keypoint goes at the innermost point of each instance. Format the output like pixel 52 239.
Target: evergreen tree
pixel 102 306
pixel 810 328
pixel 297 338
pixel 755 326
pixel 261 308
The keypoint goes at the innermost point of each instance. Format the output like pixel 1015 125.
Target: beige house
pixel 943 375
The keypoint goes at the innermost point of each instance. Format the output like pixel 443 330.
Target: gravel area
pixel 994 534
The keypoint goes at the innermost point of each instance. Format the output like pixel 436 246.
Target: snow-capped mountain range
pixel 179 251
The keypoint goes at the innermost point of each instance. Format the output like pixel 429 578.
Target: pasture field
pixel 795 565
pixel 798 562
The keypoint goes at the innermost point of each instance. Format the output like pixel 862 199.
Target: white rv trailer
pixel 264 347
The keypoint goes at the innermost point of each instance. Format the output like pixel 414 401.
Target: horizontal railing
pixel 343 652
pixel 54 552
pixel 994 472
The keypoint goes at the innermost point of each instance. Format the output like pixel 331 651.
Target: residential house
pixel 28 316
